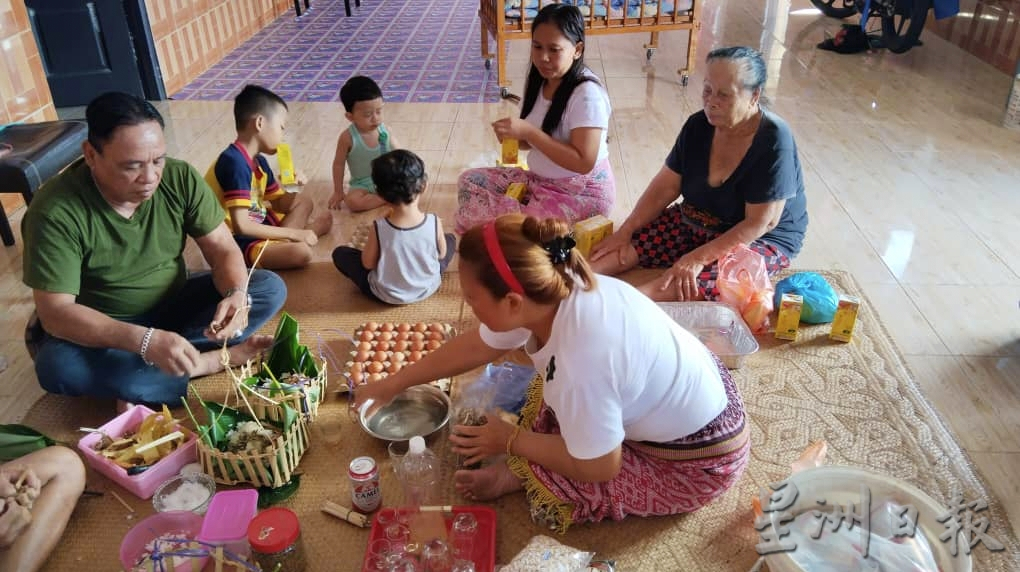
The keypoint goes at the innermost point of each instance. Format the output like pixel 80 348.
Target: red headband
pixel 498 259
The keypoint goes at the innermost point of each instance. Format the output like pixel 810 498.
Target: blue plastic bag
pixel 820 300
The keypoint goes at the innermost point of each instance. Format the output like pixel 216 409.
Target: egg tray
pixel 359 238
pixel 384 348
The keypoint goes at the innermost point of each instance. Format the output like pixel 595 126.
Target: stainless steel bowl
pixel 420 410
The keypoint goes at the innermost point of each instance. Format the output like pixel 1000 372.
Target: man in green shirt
pixel 103 254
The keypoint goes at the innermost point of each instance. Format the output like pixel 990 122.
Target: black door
pixel 86 48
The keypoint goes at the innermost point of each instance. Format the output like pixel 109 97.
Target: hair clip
pixel 559 248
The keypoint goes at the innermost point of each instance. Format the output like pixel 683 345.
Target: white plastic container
pixel 717 326
pixel 842 485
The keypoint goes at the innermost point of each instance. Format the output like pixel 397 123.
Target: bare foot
pixel 321 224
pixel 487 483
pixel 249 348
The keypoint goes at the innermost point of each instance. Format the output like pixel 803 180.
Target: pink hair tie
pixel 498 259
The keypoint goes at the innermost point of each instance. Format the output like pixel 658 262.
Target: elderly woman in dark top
pixel 735 166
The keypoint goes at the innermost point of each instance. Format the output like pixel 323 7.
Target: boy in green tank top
pixel 358 145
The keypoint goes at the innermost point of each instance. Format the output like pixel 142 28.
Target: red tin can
pixel 365 492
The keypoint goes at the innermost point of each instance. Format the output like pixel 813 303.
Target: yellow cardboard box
pixel 511 152
pixel 846 318
pixel 789 316
pixel 517 191
pixel 286 161
pixel 590 232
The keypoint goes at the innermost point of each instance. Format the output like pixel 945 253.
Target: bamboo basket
pixel 272 468
pixel 304 402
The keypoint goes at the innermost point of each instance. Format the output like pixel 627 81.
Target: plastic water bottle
pixel 420 474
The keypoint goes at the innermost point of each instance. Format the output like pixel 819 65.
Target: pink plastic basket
pixel 144 484
pixel 139 540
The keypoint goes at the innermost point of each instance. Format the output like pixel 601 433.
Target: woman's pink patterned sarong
pixel 650 482
pixel 481 195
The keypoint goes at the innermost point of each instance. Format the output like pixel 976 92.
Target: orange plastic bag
pixel 744 284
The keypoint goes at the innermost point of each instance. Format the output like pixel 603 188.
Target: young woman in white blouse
pixel 563 122
pixel 630 415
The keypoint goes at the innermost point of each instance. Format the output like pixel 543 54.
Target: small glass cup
pixel 463 531
pixel 397 451
pixel 396 532
pixel 405 564
pixel 379 552
pixel 437 556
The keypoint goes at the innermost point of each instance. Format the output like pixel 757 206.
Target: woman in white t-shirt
pixel 630 415
pixel 563 122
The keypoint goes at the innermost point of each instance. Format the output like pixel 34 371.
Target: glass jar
pixel 275 539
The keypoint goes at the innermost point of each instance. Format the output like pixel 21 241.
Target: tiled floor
pixel 418 50
pixel 912 185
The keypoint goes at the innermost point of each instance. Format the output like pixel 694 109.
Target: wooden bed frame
pixel 503 28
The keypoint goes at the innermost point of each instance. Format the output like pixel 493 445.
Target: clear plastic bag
pixel 545 554
pixel 744 284
pixel 500 387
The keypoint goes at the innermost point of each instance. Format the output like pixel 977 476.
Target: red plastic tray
pixel 485 540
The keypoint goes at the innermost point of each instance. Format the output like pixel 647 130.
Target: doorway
pixel 92 47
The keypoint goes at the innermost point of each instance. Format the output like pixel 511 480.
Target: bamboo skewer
pixel 156 443
pixel 122 502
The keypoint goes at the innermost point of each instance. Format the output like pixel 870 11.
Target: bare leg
pixel 298 209
pixel 63 478
pixel 616 263
pixel 212 361
pixel 321 224
pixel 487 483
pixel 361 200
pixel 286 255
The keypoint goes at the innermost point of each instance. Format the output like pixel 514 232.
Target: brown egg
pixel 374 367
pixel 418 336
pixel 394 368
pixel 366 336
pixel 403 327
pixel 362 356
pixel 436 327
pixel 417 345
pixel 435 336
pixel 364 346
pixel 357 377
pixel 375 377
pixel 384 336
pixel 434 344
pixel 379 356
pixel 387 327
pixel 399 346
pixel 397 357
pixel 357 367
pixel 415 356
pixel 402 336
pixel 371 326
pixel 421 327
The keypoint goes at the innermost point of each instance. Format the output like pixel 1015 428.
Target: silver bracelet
pixel 145 345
